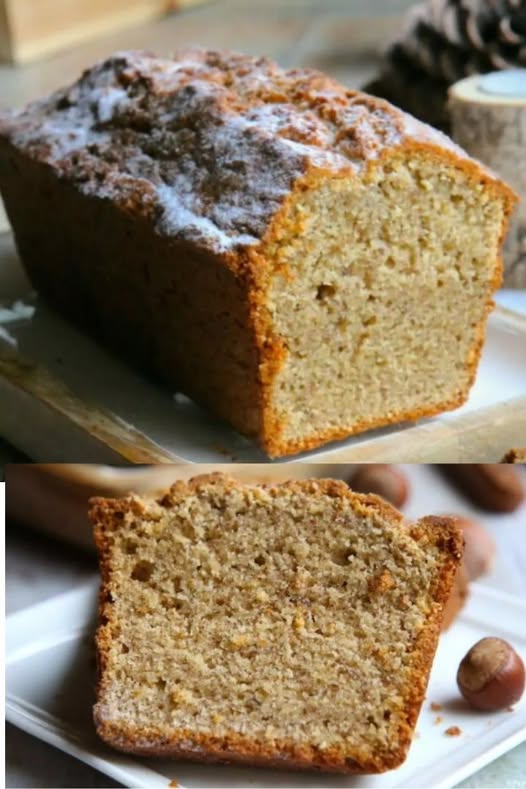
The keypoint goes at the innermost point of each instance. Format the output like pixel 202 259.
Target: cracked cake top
pixel 207 144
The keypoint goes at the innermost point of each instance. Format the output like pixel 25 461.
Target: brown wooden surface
pixel 6 51
pixel 30 29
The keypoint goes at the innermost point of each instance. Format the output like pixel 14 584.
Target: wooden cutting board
pixel 63 398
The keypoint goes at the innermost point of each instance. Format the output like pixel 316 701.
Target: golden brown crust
pixel 276 447
pixel 297 122
pixel 107 515
pixel 457 598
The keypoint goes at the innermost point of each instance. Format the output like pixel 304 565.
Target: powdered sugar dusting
pixel 177 219
pixel 108 100
pixel 207 144
pixel 421 131
pixel 56 137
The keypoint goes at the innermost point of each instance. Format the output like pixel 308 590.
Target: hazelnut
pixel 491 675
pixel 493 487
pixel 479 548
pixel 385 480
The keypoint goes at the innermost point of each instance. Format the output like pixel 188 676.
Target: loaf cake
pixel 307 261
pixel 289 625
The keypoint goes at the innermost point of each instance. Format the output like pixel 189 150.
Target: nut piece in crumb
pixel 385 480
pixel 381 583
pixel 491 675
pixel 453 731
pixel 435 707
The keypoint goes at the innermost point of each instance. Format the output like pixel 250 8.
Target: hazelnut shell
pixel 491 675
pixel 385 480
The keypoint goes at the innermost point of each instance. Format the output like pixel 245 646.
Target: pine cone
pixel 445 40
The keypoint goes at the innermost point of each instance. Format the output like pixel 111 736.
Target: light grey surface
pixel 38 568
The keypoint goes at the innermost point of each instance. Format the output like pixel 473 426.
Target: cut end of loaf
pixel 382 287
pixel 283 625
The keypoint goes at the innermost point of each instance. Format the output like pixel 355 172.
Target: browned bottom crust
pixel 276 447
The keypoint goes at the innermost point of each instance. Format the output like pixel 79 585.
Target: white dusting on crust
pixel 177 218
pixel 107 102
pixel 207 145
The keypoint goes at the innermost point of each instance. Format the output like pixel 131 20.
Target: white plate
pixel 64 398
pixel 50 675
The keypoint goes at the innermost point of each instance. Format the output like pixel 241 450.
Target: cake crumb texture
pixel 286 625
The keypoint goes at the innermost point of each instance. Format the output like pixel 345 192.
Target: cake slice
pixel 284 625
